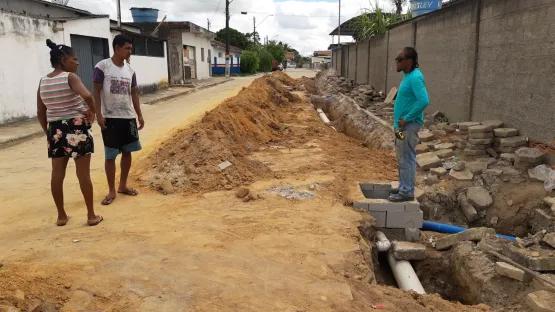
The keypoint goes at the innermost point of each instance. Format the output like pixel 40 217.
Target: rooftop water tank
pixel 420 7
pixel 144 15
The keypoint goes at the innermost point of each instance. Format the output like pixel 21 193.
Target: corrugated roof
pixel 65 7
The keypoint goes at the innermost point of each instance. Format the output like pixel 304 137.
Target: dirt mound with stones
pixel 189 162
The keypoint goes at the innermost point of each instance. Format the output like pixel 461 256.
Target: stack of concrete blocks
pixel 479 141
pixel 507 140
pixel 528 158
pixel 387 214
pixel 461 140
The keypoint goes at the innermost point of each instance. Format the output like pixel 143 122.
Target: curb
pixel 173 96
pixel 13 142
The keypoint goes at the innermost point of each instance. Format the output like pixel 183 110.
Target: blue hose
pixel 451 229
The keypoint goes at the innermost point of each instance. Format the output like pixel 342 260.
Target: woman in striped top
pixel 66 121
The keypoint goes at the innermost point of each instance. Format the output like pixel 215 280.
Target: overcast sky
pixel 303 24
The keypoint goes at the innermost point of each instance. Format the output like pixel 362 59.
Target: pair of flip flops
pixel 109 200
pixel 96 222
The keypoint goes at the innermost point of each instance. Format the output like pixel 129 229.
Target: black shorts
pixel 120 132
pixel 69 138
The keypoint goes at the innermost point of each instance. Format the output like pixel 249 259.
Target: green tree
pixel 249 62
pixel 236 38
pixel 276 50
pixel 398 5
pixel 266 60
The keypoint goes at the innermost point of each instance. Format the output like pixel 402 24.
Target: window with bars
pixel 147 47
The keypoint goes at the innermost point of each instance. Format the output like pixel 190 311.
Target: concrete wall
pixel 352 62
pixel 362 62
pixel 339 62
pixel 445 43
pixel 216 51
pixel 399 38
pixel 378 62
pixel 514 80
pixel 200 42
pixel 36 8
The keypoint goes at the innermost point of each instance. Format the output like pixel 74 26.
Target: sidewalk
pixel 15 133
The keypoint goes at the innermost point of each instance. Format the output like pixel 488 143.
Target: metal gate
pixel 89 52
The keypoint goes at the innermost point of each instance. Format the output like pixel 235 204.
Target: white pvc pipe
pixel 402 270
pixel 323 116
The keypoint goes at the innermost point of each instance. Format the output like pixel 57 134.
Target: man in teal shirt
pixel 412 100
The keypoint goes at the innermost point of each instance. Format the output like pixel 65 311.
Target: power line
pixel 216 10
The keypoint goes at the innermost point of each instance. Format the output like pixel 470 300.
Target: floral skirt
pixel 69 138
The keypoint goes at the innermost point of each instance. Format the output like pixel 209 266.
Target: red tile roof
pixel 218 44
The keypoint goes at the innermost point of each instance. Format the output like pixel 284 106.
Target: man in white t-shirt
pixel 115 85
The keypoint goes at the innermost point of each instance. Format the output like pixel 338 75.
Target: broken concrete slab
pixel 476 167
pixel 426 136
pixel 491 152
pixel 480 129
pixel 507 157
pixel 438 171
pixel 549 239
pixel 225 165
pixel 541 301
pixel 432 179
pixel 391 95
pixel 479 197
pixel 487 141
pixel 477 147
pixel 408 251
pixel 541 284
pixel 427 161
pixel 468 124
pixel 469 152
pixel 534 177
pixel 537 260
pixel 464 175
pixel 439 133
pixel 494 123
pixel 493 243
pixel 516 141
pixel 468 210
pixel 529 155
pixel 507 270
pixel 445 153
pixel 480 135
pixel 421 149
pixel 444 146
pixel 505 132
pixel 474 234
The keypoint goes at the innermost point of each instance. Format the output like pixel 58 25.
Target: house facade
pixel 26 26
pixel 218 65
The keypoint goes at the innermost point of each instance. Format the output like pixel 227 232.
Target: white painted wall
pixel 199 41
pixel 221 60
pixel 91 27
pixel 149 70
pixel 25 59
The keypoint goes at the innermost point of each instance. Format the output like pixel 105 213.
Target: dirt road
pixel 209 252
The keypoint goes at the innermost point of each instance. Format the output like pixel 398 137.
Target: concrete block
pixel 487 141
pixel 505 150
pixel 371 194
pixel 522 165
pixel 380 216
pixel 426 136
pixel 413 206
pixel 478 147
pixel 481 135
pixel 469 152
pixel 507 270
pixel 361 205
pixel 464 175
pixel 529 155
pixel 466 125
pixel 508 157
pixel 516 141
pixel 404 219
pixel 480 129
pixel 541 260
pixel 492 153
pixel 440 133
pixel 438 171
pixel 479 197
pixel 505 132
pixel 444 146
pixel 427 161
pixel 474 234
pixel 386 206
pixel 541 301
pixel 382 186
pixel 412 235
pixel 421 149
pixel 431 144
pixel 460 145
pixel 445 153
pixel 494 123
pixel 366 186
pixel 549 239
pixel 540 284
pixel 493 243
pixel 408 251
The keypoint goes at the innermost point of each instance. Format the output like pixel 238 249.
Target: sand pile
pixel 237 127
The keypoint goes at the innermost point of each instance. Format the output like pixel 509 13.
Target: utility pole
pixel 208 20
pixel 339 28
pixel 227 65
pixel 254 24
pixel 119 14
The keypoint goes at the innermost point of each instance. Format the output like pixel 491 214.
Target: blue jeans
pixel 406 159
